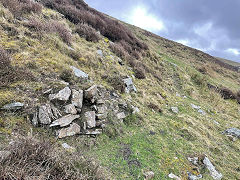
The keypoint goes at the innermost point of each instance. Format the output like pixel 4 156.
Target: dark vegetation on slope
pixel 226 93
pixel 20 7
pixel 80 13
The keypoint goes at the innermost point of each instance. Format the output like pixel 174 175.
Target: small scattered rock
pixel 135 110
pixel 149 175
pixel 178 95
pixel 193 160
pixel 68 148
pixel 233 132
pixel 35 119
pixel 152 133
pixel 195 107
pixel 79 73
pixel 213 172
pixel 64 121
pixel 90 94
pixel 13 106
pixel 77 98
pixel 74 129
pixel 173 176
pixel 194 177
pixel 4 155
pixel 90 118
pixel 70 109
pixel 101 116
pixel 121 115
pixel 62 95
pixel 175 110
pixel 129 85
pixel 100 102
pixel 100 53
pixel 93 132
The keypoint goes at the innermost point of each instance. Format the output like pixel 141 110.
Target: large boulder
pixel 79 73
pixel 90 118
pixel 62 95
pixel 13 106
pixel 74 129
pixel 64 121
pixel 77 98
pixel 130 87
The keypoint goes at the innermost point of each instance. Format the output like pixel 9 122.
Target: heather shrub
pixel 34 159
pixel 21 7
pixel 62 31
pixel 87 32
pixel 140 72
pixel 50 27
pixel 78 12
pixel 118 50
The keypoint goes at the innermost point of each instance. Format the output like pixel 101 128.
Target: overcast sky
pixel 212 26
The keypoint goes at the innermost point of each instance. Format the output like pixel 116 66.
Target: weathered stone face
pixel 233 132
pixel 77 98
pixel 62 95
pixel 213 172
pixel 45 114
pixel 129 85
pixel 70 109
pixel 91 93
pixel 79 73
pixel 64 121
pixel 13 106
pixel 90 119
pixel 74 129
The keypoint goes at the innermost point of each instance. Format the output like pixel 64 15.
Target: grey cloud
pixel 181 17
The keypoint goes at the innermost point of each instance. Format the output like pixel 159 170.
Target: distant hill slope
pixel 233 63
pixel 134 105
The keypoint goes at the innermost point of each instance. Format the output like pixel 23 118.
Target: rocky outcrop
pixel 81 112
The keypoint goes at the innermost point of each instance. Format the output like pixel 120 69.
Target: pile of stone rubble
pixel 73 111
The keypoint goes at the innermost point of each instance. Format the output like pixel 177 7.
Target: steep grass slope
pixel 40 41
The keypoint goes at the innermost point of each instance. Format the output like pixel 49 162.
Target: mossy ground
pixel 175 137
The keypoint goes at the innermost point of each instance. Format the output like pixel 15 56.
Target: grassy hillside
pixel 38 44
